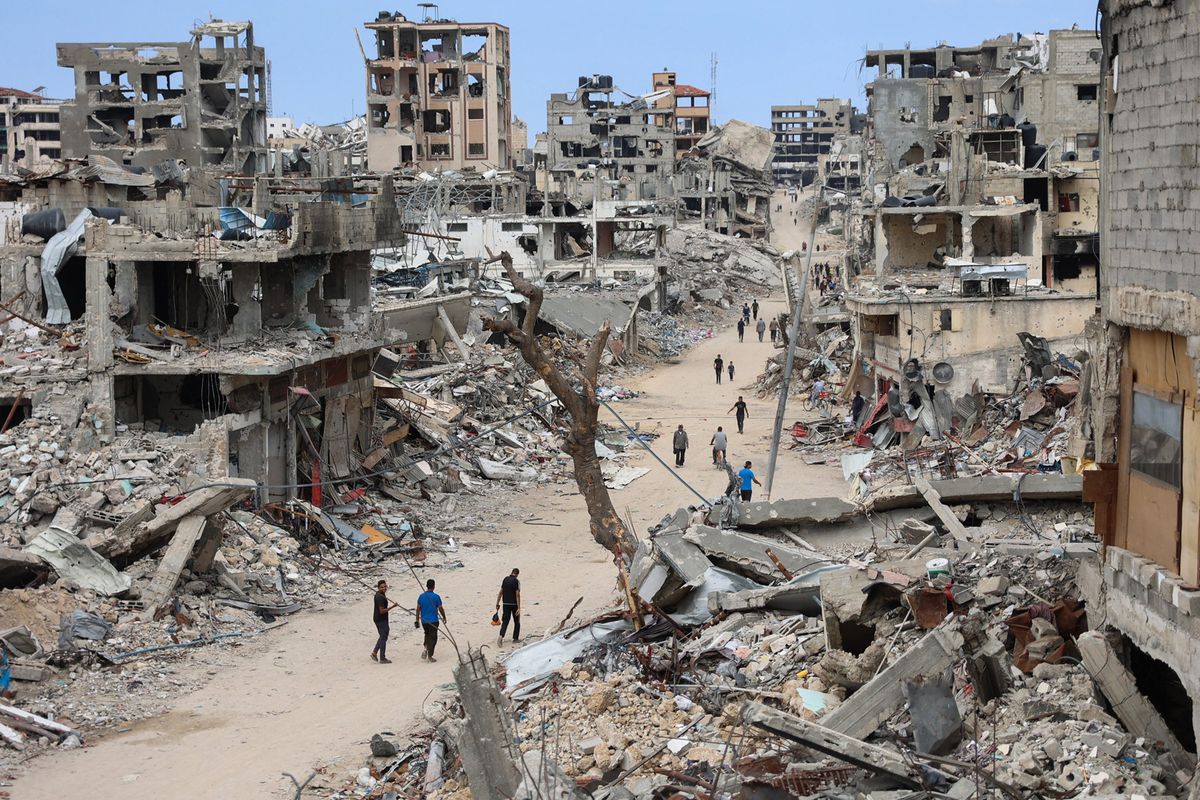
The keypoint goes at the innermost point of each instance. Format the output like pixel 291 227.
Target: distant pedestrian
pixel 741 412
pixel 429 607
pixel 509 599
pixel 730 370
pixel 748 481
pixel 741 326
pixel 718 366
pixel 856 406
pixel 679 443
pixel 746 313
pixel 774 328
pixel 761 327
pixel 754 309
pixel 720 443
pixel 379 613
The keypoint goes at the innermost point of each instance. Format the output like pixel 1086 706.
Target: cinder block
pixel 1186 600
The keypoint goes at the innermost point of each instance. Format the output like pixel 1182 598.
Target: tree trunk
pixel 577 393
pixel 607 528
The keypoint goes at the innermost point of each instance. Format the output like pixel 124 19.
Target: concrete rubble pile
pixel 720 271
pixel 767 662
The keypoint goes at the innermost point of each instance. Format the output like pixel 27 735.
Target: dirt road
pixel 307 694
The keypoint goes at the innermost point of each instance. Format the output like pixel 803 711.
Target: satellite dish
pixel 943 372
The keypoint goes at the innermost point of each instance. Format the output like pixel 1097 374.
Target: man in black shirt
pixel 742 413
pixel 510 597
pixel 379 613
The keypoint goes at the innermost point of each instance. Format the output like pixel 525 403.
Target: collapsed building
pixel 238 319
pixel 438 94
pixel 138 103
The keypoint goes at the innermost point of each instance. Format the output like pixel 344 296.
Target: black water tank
pixel 1028 133
pixel 44 224
pixel 921 71
pixel 1006 121
pixel 1034 154
pixel 106 212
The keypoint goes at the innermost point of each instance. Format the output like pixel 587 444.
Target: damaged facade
pixel 202 101
pixel 29 127
pixel 1145 425
pixel 438 94
pixel 804 138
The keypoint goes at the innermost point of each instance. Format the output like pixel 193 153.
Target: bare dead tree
pixel 577 393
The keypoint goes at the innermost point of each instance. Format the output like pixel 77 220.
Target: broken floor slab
pixel 78 563
pixel 747 553
pixel 808 511
pixel 984 488
pixel 801 595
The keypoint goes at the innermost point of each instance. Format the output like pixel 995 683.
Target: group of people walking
pixel 430 614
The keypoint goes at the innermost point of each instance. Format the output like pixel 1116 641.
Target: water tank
pixel 921 71
pixel 1028 133
pixel 1034 154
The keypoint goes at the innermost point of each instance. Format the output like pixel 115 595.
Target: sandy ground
pixel 307 695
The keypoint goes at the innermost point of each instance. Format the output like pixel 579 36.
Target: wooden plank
pixel 13 737
pixel 173 561
pixel 1136 713
pixel 1189 522
pixel 1155 507
pixel 883 695
pixel 448 327
pixel 202 503
pixel 956 528
pixel 831 743
pixel 1124 431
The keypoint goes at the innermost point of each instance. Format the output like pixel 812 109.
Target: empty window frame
pixel 1086 92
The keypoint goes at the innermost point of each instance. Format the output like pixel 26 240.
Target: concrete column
pixel 968 239
pixel 247 323
pixel 99 342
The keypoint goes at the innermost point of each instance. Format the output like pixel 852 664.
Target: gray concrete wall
pixel 1150 209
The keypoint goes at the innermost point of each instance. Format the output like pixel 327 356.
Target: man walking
pixel 741 326
pixel 746 313
pixel 856 407
pixel 720 443
pixel 748 481
pixel 742 413
pixel 679 443
pixel 719 366
pixel 509 597
pixel 379 613
pixel 761 327
pixel 429 606
pixel 731 371
pixel 774 328
pixel 754 309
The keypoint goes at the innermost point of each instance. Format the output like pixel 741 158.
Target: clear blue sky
pixel 769 51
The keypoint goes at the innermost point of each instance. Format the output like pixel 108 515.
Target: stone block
pixel 1186 600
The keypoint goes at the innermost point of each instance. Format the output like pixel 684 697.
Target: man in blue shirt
pixel 429 606
pixel 748 481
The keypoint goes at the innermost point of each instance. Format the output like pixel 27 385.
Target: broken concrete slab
pixel 870 706
pixel 984 488
pixel 203 502
pixel 1132 707
pixel 495 471
pixel 808 511
pixel 487 744
pixel 945 515
pixel 830 742
pixel 801 595
pixel 167 575
pixel 747 552
pixel 78 563
pixel 684 557
pixel 18 568
pixel 937 723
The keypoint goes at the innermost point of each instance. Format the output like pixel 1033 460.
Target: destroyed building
pixel 29 127
pixel 723 181
pixel 685 108
pixel 601 148
pixel 438 94
pixel 202 101
pixel 804 137
pixel 245 329
pixel 1145 426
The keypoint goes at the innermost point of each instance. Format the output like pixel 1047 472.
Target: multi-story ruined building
pixel 29 127
pixel 140 103
pixel 1145 415
pixel 684 108
pixel 438 94
pixel 804 136
pixel 245 330
pixel 601 148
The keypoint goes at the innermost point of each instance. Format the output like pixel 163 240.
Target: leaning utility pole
pixel 793 335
